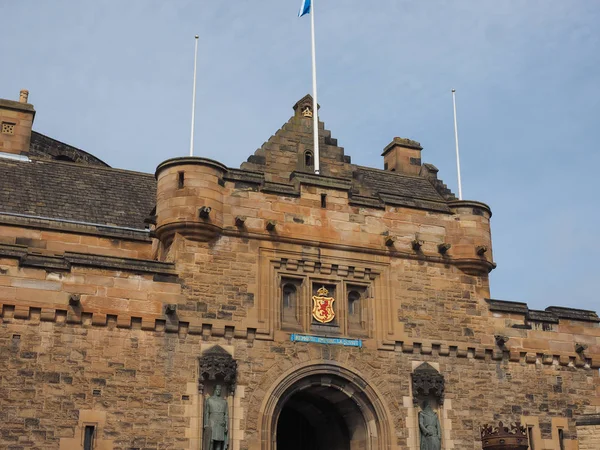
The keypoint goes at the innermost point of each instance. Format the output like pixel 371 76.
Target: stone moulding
pixel 190 160
pixel 512 437
pixel 552 314
pixel 216 364
pixel 427 382
pixel 217 328
pixel 72 227
pixel 64 262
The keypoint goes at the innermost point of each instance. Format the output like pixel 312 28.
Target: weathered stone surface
pixel 118 359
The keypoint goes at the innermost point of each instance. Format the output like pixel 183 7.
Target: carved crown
pixel 501 437
pixel 322 292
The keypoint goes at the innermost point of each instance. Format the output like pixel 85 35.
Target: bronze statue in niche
pixel 216 421
pixel 429 425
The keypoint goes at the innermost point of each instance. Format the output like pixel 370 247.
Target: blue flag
pixel 304 8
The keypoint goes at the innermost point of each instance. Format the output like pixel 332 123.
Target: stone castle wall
pixel 144 384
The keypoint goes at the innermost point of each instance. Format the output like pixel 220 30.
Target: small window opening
pixel 354 307
pixel 393 169
pixel 289 295
pixel 64 158
pixel 385 166
pixel 290 303
pixel 323 200
pixel 308 159
pixel 180 180
pixel 561 438
pixel 530 438
pixel 88 437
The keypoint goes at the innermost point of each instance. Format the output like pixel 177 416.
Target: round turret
pixel 472 241
pixel 189 199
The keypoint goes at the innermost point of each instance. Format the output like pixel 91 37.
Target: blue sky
pixel 115 78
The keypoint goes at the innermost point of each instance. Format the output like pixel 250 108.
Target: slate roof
pixel 85 193
pixel 45 147
pixel 383 181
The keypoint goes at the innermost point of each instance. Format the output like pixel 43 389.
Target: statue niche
pixel 218 372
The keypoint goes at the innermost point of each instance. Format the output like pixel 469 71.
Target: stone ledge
pixel 228 330
pixel 66 226
pixel 64 262
pixel 16 106
pixel 413 202
pixel 188 161
pixel 552 314
pixel 280 189
pixel 341 184
pixel 247 176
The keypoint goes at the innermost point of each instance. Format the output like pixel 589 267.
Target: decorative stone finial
pixel 23 96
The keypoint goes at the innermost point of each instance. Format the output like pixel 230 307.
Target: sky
pixel 115 78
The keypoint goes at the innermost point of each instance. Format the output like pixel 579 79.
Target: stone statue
pixel 431 435
pixel 216 421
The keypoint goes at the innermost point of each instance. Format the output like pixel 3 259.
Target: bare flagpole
pixel 456 140
pixel 314 81
pixel 194 98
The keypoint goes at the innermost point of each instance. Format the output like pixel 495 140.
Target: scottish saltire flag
pixel 304 8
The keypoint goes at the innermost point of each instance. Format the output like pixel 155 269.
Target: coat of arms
pixel 323 306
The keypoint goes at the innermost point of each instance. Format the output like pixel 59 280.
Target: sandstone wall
pixel 141 386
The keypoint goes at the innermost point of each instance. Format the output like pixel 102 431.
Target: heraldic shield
pixel 323 306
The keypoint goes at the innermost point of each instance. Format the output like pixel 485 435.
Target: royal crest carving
pixel 427 382
pixel 323 306
pixel 307 111
pixel 216 364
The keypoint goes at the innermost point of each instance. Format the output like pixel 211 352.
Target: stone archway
pixel 324 406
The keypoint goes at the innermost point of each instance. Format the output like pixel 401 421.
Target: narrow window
pixel 180 180
pixel 88 437
pixel 323 200
pixel 530 437
pixel 289 304
pixel 385 166
pixel 561 438
pixel 354 308
pixel 308 159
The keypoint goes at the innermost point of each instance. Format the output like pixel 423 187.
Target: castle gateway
pixel 269 308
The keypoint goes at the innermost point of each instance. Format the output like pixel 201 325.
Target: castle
pixel 333 311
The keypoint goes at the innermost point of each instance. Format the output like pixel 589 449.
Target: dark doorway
pixel 311 420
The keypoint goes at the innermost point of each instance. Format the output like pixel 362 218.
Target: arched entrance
pixel 324 407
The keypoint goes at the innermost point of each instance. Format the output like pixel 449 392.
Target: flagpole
pixel 194 98
pixel 314 81
pixel 456 140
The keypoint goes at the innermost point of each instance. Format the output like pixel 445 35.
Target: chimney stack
pixel 16 120
pixel 402 155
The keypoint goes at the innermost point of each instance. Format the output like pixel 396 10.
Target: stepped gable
pixel 45 147
pixel 290 149
pixel 84 193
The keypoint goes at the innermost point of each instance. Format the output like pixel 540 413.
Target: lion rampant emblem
pixel 323 306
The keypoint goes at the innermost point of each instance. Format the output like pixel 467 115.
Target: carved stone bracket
pixel 427 382
pixel 216 364
pixel 512 437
